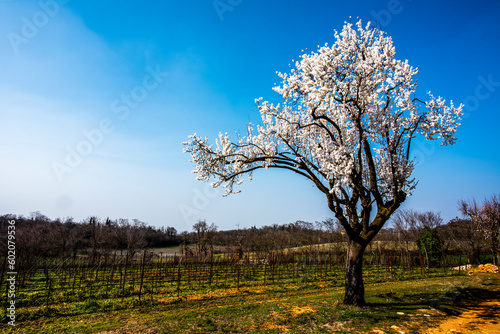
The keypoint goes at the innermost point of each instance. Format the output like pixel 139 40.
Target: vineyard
pixel 149 274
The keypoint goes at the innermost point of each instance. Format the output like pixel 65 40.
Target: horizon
pixel 97 100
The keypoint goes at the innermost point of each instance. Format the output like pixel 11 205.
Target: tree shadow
pixel 449 303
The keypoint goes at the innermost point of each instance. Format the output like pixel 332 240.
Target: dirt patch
pixel 482 316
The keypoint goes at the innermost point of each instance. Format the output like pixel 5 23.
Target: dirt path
pixel 481 318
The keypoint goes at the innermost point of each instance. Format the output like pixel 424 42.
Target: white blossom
pixel 346 122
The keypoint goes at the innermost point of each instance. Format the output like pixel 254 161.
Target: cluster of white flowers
pixel 346 122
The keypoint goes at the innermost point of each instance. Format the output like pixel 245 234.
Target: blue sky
pixel 124 83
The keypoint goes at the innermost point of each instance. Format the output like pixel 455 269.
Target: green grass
pixel 314 308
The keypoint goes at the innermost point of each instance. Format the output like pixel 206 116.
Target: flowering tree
pixel 346 123
pixel 486 221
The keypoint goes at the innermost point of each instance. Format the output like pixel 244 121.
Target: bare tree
pixel 204 236
pixel 410 224
pixel 486 220
pixel 335 232
pixel 38 217
pixel 96 235
pixel 171 232
pixel 406 225
pixel 429 219
pixel 464 235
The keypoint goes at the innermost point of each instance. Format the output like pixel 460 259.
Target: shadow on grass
pixel 452 302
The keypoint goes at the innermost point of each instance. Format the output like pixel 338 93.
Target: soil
pixel 482 316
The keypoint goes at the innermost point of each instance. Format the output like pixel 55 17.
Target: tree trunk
pixel 354 288
pixel 427 258
pixel 496 251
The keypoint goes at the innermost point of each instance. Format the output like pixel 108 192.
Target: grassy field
pixel 170 251
pixel 408 306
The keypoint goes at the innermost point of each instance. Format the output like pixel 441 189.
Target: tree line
pixel 40 236
pixel 475 234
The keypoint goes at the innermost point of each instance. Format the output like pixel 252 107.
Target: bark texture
pixel 354 287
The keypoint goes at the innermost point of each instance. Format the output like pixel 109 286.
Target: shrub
pixel 430 244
